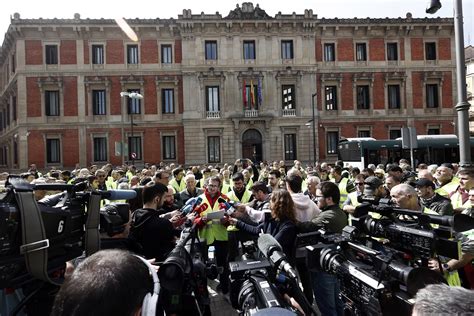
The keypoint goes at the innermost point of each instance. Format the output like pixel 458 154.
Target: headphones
pixel 151 299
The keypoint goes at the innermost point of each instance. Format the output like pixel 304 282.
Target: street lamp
pixel 462 106
pixel 314 127
pixel 136 96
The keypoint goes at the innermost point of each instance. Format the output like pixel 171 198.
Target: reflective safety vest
pixel 226 187
pixel 110 183
pixel 342 189
pixel 304 185
pixel 447 188
pixel 353 198
pixel 456 201
pixel 178 187
pixel 213 230
pixel 249 184
pixel 129 175
pixel 245 199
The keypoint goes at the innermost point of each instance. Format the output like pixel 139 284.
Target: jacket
pixel 305 208
pixel 438 204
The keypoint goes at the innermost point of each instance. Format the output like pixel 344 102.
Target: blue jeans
pixel 326 292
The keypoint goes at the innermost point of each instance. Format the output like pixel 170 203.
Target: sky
pixel 166 9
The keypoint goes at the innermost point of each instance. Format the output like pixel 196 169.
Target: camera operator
pixel 406 197
pixel 432 200
pixel 110 282
pixel 326 286
pixel 154 234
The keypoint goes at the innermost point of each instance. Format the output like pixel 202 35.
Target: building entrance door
pixel 252 145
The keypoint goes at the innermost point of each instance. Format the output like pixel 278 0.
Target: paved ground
pixel 219 305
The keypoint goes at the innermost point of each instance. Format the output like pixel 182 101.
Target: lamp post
pixel 136 96
pixel 314 126
pixel 462 106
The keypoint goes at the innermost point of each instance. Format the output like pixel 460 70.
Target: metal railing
pixel 213 114
pixel 289 112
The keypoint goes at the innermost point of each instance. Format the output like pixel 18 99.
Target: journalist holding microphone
pixel 282 225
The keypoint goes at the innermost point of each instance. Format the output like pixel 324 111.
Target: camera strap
pixel 92 237
pixel 35 244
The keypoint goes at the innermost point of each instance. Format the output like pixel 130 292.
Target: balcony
pixel 213 114
pixel 289 112
pixel 251 113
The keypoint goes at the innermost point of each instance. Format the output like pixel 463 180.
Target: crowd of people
pixel 271 198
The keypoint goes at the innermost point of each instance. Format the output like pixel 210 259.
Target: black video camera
pixel 23 220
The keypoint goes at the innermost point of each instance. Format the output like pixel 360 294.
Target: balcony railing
pixel 213 114
pixel 289 112
pixel 251 113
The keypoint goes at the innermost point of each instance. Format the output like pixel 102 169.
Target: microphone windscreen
pixel 121 194
pixel 266 242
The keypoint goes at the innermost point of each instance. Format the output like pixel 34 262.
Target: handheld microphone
pixel 229 208
pixel 201 208
pixel 118 194
pixel 190 205
pixel 271 249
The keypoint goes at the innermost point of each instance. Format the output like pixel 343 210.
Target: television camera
pixel 38 237
pixel 183 276
pixel 266 280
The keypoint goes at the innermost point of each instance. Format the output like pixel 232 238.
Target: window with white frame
pixel 363 97
pixel 169 147
pixel 332 139
pixel 288 97
pixel 53 150
pixel 100 148
pixel 134 105
pixel 98 54
pixel 361 51
pixel 330 93
pixel 135 147
pixel 132 54
pixel 329 52
pixel 392 51
pixel 393 93
pixel 290 146
pixel 167 101
pixel 210 50
pixel 214 149
pixel 51 54
pixel 51 102
pixel 287 49
pixel 166 54
pixel 249 50
pixel 212 99
pixel 98 102
pixel 432 96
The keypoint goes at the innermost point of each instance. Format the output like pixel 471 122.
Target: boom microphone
pixel 118 194
pixel 271 249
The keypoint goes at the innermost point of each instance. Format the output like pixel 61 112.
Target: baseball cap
pixel 371 184
pixel 425 183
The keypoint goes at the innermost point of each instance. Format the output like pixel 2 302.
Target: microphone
pixel 271 249
pixel 190 205
pixel 118 194
pixel 201 208
pixel 229 207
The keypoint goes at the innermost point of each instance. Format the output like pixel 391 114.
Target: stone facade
pixel 369 77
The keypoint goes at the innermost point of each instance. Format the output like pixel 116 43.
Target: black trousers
pixel 221 253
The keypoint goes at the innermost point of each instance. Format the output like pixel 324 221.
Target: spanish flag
pixel 244 95
pixel 252 94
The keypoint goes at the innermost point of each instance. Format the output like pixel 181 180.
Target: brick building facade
pixel 216 88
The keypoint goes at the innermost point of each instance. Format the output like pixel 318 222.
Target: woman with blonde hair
pixel 281 225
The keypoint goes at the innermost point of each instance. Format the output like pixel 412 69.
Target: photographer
pixel 154 234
